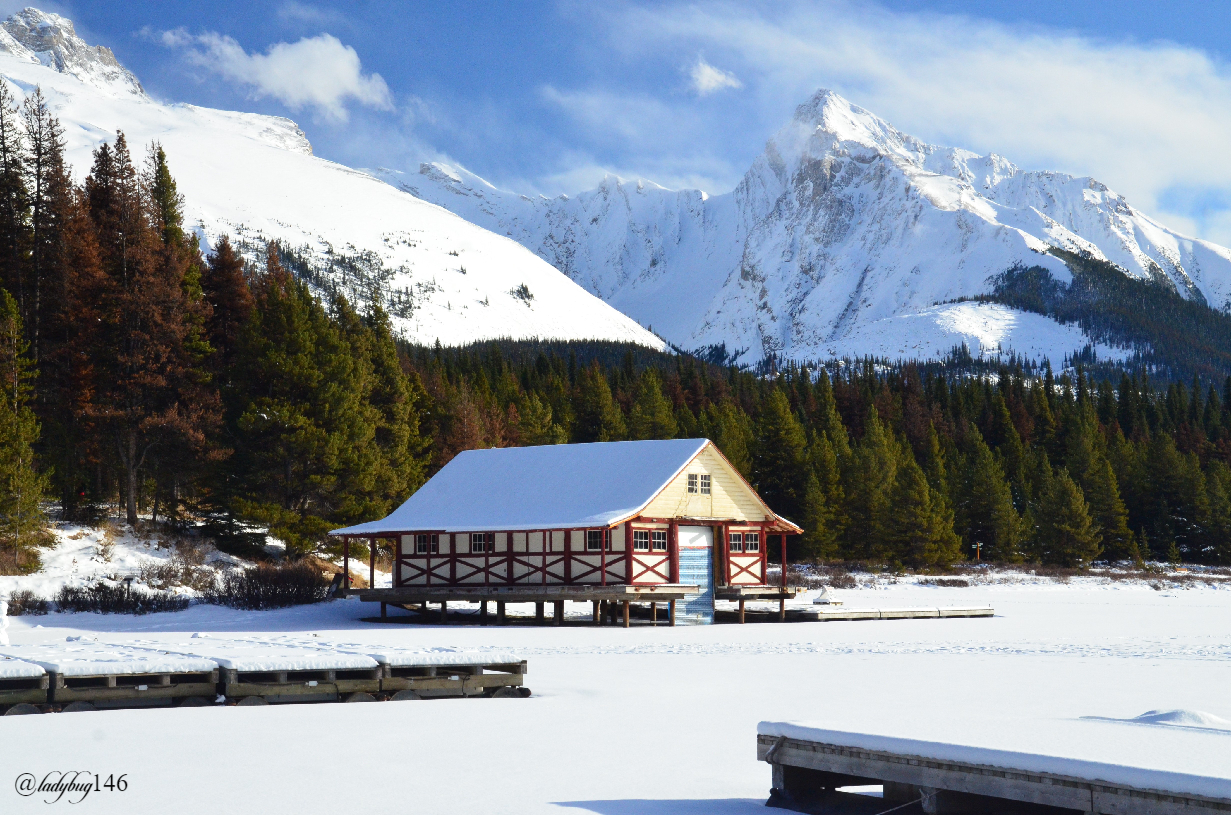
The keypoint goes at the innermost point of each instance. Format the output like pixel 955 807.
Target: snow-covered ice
pixel 645 720
pixel 267 654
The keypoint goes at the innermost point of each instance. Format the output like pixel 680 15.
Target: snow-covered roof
pixel 564 486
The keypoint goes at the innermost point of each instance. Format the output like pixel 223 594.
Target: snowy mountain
pixel 845 237
pixel 254 177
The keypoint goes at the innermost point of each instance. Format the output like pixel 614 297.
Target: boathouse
pixel 624 522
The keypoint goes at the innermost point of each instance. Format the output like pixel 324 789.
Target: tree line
pixel 880 463
pixel 139 370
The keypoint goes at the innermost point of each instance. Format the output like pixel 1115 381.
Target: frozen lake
pixel 645 720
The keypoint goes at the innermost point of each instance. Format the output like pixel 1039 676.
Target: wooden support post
pixel 782 537
pixel 654 613
pixel 483 612
pixel 741 611
pixel 603 611
pixel 500 618
pixel 594 603
pixel 372 563
pixel 444 611
pixel 782 609
pixel 558 616
pixel 384 611
pixel 626 614
pixel 671 611
pixel 345 565
pixel 538 613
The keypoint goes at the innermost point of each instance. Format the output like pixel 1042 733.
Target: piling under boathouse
pixel 663 522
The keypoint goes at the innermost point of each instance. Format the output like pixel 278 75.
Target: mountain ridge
pixel 845 237
pixel 254 178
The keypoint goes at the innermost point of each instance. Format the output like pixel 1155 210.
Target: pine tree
pixel 150 393
pixel 1067 536
pixel 14 205
pixel 50 192
pixel 22 487
pixel 988 521
pixel 651 416
pixel 225 288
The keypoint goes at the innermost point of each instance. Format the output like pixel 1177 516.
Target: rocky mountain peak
pixel 53 41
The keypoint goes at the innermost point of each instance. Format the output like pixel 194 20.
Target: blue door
pixel 696 569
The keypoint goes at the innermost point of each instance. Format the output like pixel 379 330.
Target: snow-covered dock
pixel 89 674
pixel 1161 763
pixel 21 682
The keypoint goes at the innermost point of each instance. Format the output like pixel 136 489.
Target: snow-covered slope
pixel 255 178
pixel 845 237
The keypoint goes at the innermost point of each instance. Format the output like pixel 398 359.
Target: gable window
pixel 427 544
pixel 752 542
pixel 659 537
pixel 641 540
pixel 737 542
pixel 692 483
pixel 705 485
pixel 595 539
pixel 482 542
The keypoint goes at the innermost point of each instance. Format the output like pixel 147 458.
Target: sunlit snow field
pixel 655 720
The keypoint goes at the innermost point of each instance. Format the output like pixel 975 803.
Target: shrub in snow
pixel 186 567
pixel 104 598
pixel 24 601
pixel 270 586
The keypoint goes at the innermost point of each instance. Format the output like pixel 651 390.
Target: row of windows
pixel 644 540
pixel 745 542
pixel 698 484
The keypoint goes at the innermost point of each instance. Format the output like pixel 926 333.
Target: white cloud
pixel 319 73
pixel 707 79
pixel 1142 117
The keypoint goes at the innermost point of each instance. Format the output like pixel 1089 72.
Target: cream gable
pixel 730 496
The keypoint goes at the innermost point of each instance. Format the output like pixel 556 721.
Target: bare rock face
pixel 52 40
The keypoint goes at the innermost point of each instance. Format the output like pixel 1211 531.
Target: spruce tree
pixel 1067 535
pixel 868 482
pixel 22 486
pixel 780 465
pixel 535 422
pixel 50 191
pixel 918 530
pixel 597 416
pixel 306 459
pixel 651 416
pixel 988 521
pixel 732 431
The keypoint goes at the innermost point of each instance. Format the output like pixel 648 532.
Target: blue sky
pixel 548 96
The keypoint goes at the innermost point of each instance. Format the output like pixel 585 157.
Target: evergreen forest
pixel 143 375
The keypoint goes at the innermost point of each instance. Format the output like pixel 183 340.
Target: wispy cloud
pixel 1143 117
pixel 307 14
pixel 707 79
pixel 318 73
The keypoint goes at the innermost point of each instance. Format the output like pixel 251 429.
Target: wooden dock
pixel 808 772
pixel 132 689
pixel 21 683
